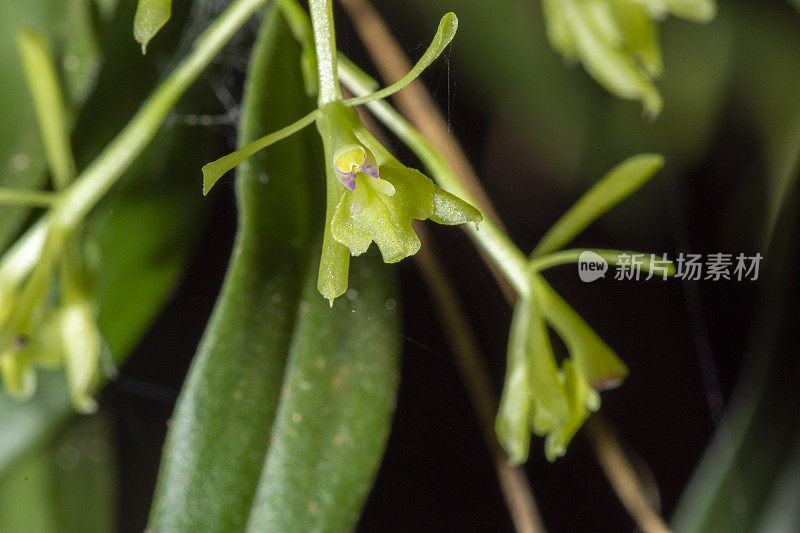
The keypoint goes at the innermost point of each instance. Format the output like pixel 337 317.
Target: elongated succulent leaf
pixel 283 418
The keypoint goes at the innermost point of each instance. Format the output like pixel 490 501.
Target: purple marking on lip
pixel 368 168
pixel 609 383
pixel 348 180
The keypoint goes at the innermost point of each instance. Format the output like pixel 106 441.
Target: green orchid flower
pixel 48 316
pixel 371 196
pixel 378 195
pixel 541 397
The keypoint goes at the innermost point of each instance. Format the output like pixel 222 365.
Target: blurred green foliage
pixel 68 484
pixel 145 230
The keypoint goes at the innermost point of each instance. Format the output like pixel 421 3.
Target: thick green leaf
pixel 220 429
pixel 283 418
pixel 335 408
pixel 68 485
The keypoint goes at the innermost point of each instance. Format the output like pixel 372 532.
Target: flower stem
pixel 30 198
pixel 612 257
pixel 325 44
pixel 84 193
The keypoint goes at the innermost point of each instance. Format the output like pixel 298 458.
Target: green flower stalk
pixel 371 196
pixel 48 310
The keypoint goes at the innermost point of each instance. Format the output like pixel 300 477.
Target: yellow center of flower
pixel 351 159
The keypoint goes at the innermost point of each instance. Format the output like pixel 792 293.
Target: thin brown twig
pixel 623 477
pixel 513 481
pixel 415 102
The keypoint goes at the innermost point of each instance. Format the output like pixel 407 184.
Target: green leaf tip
pixel 150 17
pixel 213 171
pixel 49 104
pixel 617 185
pixel 444 34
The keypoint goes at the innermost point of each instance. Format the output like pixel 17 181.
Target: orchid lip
pixel 351 159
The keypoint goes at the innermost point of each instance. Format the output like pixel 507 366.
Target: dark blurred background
pixel 540 132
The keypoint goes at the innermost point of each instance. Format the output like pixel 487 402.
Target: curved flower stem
pixel 564 257
pixel 31 198
pixel 92 184
pixel 444 34
pixel 325 45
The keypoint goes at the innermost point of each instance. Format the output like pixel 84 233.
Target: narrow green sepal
pixel 596 362
pixel 334 268
pixel 514 414
pixel 544 380
pixel 639 33
pixel 618 184
pixel 449 209
pixel 559 33
pixel 18 376
pixel 334 263
pixel 150 17
pixel 213 171
pixel 580 397
pixel 82 344
pixel 81 338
